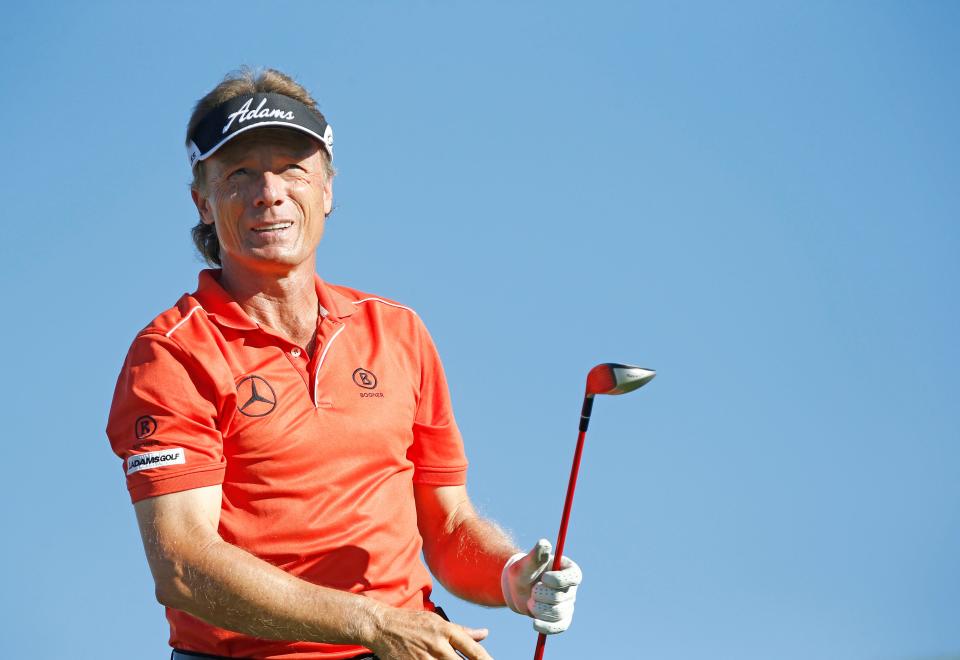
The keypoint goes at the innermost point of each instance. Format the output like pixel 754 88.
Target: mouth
pixel 276 226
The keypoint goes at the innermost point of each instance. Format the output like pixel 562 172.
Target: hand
pixel 547 596
pixel 418 635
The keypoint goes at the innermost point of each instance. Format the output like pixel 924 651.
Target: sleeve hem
pixel 199 478
pixel 456 476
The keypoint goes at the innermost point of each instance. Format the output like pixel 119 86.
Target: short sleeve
pixel 163 421
pixel 437 451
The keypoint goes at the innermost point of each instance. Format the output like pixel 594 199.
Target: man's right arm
pixel 198 572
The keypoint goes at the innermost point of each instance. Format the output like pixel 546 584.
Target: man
pixel 289 444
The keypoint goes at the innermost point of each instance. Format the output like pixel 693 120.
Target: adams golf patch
pixel 137 462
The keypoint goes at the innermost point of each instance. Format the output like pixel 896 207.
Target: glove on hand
pixel 547 596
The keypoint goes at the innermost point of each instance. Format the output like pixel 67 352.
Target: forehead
pixel 267 140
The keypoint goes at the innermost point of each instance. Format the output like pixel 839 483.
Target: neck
pixel 284 301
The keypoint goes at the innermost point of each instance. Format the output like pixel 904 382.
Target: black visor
pixel 236 116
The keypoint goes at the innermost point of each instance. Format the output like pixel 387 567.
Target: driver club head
pixel 614 378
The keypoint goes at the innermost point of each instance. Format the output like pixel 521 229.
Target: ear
pixel 328 196
pixel 203 206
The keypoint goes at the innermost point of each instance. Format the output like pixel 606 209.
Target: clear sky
pixel 759 200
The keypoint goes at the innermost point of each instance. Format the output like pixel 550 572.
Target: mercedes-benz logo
pixel 256 397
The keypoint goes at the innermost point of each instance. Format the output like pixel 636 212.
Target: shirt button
pixel 295 352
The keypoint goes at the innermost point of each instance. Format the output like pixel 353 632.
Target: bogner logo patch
pixel 367 380
pixel 153 459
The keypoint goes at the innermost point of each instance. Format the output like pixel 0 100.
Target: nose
pixel 269 191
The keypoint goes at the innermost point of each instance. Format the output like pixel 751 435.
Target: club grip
pixel 585 413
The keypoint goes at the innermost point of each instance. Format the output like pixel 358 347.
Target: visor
pixel 244 113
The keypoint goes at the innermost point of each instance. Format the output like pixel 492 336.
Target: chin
pixel 261 258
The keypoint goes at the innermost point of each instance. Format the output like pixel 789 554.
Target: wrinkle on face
pixel 264 175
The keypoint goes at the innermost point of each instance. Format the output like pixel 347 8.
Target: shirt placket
pixel 328 330
pixel 299 360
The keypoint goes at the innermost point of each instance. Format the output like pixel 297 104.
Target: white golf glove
pixel 547 596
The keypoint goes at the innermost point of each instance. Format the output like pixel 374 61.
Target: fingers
pixel 552 599
pixel 543 594
pixel 552 605
pixel 551 627
pixel 552 611
pixel 536 561
pixel 521 572
pixel 466 641
pixel 542 551
pixel 546 595
pixel 569 575
pixel 407 634
pixel 476 634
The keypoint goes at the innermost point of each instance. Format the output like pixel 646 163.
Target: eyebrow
pixel 232 157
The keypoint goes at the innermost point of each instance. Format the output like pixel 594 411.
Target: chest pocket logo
pixel 255 397
pixel 365 379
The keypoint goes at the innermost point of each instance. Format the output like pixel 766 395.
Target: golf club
pixel 606 378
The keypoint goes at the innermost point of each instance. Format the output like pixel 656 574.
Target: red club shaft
pixel 541 645
pixel 567 505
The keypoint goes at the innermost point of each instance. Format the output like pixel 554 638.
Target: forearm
pixel 469 558
pixel 232 589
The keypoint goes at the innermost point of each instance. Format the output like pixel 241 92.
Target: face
pixel 268 194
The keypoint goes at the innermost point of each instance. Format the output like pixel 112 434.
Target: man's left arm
pixel 464 551
pixel 473 558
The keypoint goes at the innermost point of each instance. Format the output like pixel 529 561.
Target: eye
pixel 240 171
pixel 295 166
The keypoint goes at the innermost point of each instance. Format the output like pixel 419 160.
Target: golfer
pixel 289 444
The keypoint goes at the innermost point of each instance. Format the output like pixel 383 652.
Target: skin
pixel 268 194
pixel 259 181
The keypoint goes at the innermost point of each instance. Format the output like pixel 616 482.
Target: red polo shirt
pixel 317 455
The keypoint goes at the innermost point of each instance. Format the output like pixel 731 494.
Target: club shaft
pixel 567 505
pixel 541 645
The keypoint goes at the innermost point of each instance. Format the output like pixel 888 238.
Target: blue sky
pixel 759 200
